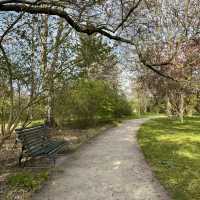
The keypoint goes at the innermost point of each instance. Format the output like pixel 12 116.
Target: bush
pixel 88 101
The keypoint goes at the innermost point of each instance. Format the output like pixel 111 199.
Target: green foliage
pixel 121 106
pixel 91 50
pixel 95 58
pixel 172 149
pixel 36 123
pixel 89 101
pixel 28 180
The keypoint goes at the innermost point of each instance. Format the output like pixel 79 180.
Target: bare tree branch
pixel 152 67
pixel 90 29
pixel 24 6
pixel 128 15
pixel 10 27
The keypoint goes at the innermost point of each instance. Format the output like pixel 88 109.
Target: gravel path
pixel 110 167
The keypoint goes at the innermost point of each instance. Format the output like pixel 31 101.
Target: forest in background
pixel 61 60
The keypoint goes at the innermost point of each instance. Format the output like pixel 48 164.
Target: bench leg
pixel 53 159
pixel 21 156
pixel 20 160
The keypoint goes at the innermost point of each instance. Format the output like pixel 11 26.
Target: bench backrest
pixel 32 138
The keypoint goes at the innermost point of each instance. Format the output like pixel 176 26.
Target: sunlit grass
pixel 36 122
pixel 173 151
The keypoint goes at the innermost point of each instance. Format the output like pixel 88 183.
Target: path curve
pixel 110 167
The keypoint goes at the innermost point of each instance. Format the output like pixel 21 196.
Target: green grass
pixel 137 116
pixel 28 180
pixel 173 151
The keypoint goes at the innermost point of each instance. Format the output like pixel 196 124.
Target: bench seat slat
pixel 55 151
pixel 34 141
pixel 45 148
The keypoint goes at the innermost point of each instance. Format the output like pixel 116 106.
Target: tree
pixel 180 95
pixel 159 45
pixel 30 77
pixel 86 102
pixel 96 59
pixel 79 17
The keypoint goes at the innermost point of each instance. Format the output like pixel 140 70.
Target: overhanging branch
pixel 152 67
pixel 40 8
pixel 61 13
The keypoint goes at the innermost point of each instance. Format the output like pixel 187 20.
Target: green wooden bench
pixel 36 143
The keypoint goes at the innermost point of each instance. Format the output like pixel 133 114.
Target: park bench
pixel 36 143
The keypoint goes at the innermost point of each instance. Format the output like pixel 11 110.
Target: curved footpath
pixel 110 167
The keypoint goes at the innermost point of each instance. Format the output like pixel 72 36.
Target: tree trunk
pixel 50 121
pixel 168 107
pixel 181 109
pixel 48 83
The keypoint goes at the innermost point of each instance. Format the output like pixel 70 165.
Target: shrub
pixel 88 101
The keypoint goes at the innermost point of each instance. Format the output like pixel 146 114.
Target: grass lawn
pixel 173 151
